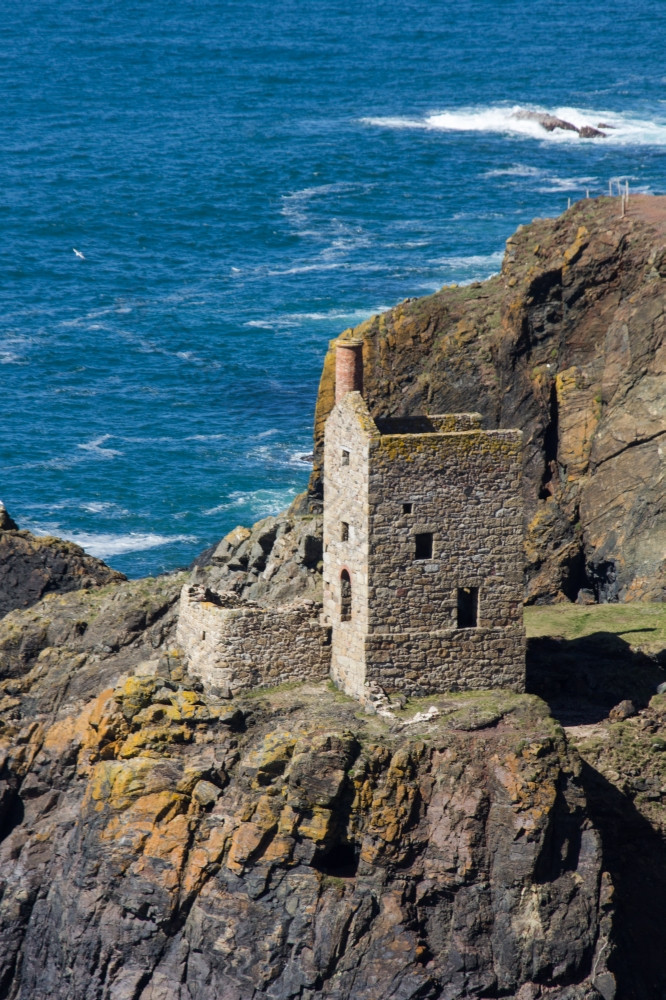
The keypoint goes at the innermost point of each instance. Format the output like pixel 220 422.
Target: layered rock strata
pixel 157 842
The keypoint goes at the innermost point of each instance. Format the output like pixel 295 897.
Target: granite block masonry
pixel 423 534
pixel 234 645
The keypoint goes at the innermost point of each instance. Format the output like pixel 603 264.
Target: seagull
pixel 78 253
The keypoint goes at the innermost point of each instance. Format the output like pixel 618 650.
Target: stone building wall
pixel 464 490
pixel 233 646
pixel 349 429
pixel 436 476
pixel 417 664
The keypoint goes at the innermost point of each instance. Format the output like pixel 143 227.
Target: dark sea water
pixel 245 180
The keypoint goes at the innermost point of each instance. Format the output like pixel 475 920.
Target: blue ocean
pixel 196 197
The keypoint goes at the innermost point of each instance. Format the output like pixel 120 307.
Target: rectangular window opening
pixel 423 545
pixel 345 457
pixel 468 607
pixel 344 531
pixel 407 508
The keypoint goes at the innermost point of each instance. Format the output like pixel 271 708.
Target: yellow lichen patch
pixel 157 713
pixel 135 694
pixel 316 825
pixel 573 252
pixel 151 740
pixel 288 821
pixel 579 412
pixel 64 733
pixel 168 841
pixel 118 783
pixel 267 812
pixel 279 850
pixel 531 792
pixel 245 842
pixel 270 758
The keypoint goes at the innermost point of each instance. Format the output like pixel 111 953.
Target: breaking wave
pixel 620 129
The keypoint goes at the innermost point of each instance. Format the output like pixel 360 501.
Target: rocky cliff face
pixel 32 566
pixel 158 843
pixel 566 343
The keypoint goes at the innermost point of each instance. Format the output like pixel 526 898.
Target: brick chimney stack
pixel 348 367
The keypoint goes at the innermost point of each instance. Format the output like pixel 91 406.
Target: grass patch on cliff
pixel 643 626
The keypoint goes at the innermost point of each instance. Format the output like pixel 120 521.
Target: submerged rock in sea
pixel 552 123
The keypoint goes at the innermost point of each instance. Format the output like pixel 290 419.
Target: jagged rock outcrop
pixel 7 522
pixel 32 566
pixel 568 344
pixel 275 562
pixel 159 843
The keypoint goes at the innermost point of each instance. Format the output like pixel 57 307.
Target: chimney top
pixel 348 367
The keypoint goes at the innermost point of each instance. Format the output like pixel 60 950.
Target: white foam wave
pixel 259 503
pixel 625 130
pixel 102 507
pixel 350 317
pixel 548 183
pixel 472 261
pixel 13 350
pixel 517 170
pixel 95 448
pixel 294 203
pixel 104 546
pixel 207 437
pixel 336 265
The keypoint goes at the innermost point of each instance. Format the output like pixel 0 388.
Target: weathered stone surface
pixel 290 849
pixel 276 562
pixel 31 566
pixel 233 645
pixel 386 484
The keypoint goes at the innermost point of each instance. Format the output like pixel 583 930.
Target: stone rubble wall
pixel 456 660
pixel 464 489
pixel 238 645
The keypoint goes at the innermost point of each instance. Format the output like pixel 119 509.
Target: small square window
pixel 423 545
pixel 345 457
pixel 344 531
pixel 407 508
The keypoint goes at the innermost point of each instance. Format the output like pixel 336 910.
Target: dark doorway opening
pixel 345 596
pixel 468 607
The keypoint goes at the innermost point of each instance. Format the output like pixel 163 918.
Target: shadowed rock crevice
pixel 582 679
pixel 635 856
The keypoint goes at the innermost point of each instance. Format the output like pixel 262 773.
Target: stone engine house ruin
pixel 422 564
pixel 423 540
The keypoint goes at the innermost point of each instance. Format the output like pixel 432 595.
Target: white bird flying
pixel 78 253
